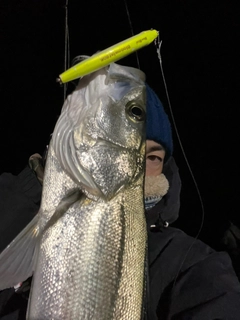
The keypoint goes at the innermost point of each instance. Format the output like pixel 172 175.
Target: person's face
pixel 155 155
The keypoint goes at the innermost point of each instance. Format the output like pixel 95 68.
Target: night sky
pixel 200 54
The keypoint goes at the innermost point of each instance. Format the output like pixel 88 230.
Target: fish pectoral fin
pixel 17 259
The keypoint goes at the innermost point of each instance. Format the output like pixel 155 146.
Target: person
pixel 186 278
pixel 230 240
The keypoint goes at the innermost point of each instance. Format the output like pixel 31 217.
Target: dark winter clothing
pixel 19 201
pixel 158 127
pixel 187 279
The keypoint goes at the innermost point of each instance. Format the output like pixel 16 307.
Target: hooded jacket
pixel 187 280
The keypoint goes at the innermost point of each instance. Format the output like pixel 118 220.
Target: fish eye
pixel 135 111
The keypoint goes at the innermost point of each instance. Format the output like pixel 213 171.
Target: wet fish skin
pixel 89 261
pixel 106 282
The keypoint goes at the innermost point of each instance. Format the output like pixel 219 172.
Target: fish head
pixel 99 138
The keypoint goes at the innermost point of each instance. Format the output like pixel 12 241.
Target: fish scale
pixel 88 241
pixel 98 258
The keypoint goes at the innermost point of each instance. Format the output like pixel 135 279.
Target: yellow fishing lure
pixel 111 54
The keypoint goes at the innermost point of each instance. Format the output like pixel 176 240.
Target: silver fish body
pixel 90 257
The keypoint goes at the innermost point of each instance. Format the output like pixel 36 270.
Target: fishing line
pixel 66 66
pixel 146 297
pixel 131 28
pixel 67 49
pixel 158 44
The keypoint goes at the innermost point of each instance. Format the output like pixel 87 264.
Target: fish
pixel 86 247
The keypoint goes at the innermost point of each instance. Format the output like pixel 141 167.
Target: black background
pixel 200 54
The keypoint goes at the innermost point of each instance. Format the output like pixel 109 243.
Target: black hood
pixel 166 211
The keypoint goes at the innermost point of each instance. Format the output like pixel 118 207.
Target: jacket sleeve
pixel 19 201
pixel 204 286
pixel 208 290
pixel 20 197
